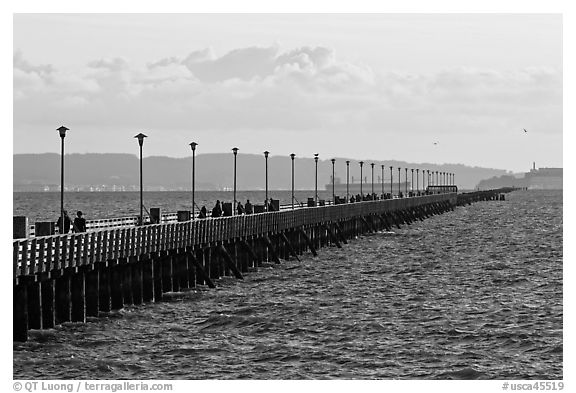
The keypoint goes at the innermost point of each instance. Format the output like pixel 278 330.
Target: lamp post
pixel 372 165
pixel 62 130
pixel 141 137
pixel 266 192
pixel 316 180
pixel 428 176
pixel 382 180
pixel 406 177
pixel 347 181
pixel 437 178
pixel 423 188
pixel 292 157
pixel 333 174
pixel 193 146
pixel 235 151
pixel 412 182
pixel 399 186
pixel 391 191
pixel 361 180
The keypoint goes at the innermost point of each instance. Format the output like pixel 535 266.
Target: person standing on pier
pixel 66 228
pixel 239 208
pixel 217 209
pixel 248 207
pixel 79 222
pixel 203 212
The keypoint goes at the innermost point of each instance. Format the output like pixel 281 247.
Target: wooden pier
pixel 64 278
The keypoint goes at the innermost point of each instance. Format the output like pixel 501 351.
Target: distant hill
pixel 36 172
pixel 502 181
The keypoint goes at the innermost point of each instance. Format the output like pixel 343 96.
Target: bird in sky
pixel 525 130
pixel 435 143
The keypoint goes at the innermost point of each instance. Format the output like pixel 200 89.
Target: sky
pixel 424 88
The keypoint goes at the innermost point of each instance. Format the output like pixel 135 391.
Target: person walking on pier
pixel 66 228
pixel 79 222
pixel 239 208
pixel 203 212
pixel 248 207
pixel 217 209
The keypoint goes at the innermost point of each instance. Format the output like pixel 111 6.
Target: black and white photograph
pixel 364 196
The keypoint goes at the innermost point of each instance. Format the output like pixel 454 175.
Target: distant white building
pixel 544 178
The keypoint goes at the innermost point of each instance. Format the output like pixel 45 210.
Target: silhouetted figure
pixel 203 212
pixel 226 209
pixel 79 222
pixel 352 200
pixel 67 223
pixel 248 207
pixel 239 208
pixel 217 209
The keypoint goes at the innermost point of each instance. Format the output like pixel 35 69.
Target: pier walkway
pixel 70 277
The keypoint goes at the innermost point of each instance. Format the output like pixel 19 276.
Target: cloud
pixel 264 88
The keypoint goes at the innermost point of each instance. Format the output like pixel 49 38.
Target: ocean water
pixel 472 294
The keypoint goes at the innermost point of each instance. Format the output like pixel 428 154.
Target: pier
pixel 69 277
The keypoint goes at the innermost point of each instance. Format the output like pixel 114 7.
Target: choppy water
pixel 474 293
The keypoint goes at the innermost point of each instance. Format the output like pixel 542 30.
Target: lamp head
pixel 140 137
pixel 62 130
pixel 235 150
pixel 372 165
pixel 333 160
pixel 193 145
pixel 266 153
pixel 292 156
pixel 361 163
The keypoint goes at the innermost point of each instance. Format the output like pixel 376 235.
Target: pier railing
pixel 129 221
pixel 171 217
pixel 40 255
